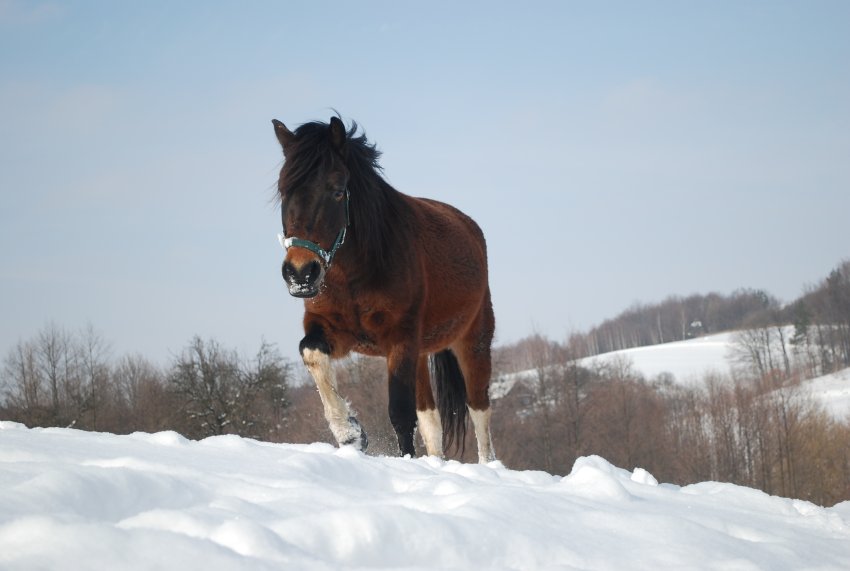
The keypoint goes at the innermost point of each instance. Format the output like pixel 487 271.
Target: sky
pixel 612 152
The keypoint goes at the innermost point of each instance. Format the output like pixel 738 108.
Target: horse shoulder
pixel 368 321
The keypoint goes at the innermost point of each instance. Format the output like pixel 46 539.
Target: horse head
pixel 313 188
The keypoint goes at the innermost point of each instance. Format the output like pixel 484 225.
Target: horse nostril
pixel 288 271
pixel 311 272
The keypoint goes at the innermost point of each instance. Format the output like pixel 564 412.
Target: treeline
pixel 753 428
pixel 823 311
pixel 807 338
pixel 821 319
pixel 676 319
pixel 69 379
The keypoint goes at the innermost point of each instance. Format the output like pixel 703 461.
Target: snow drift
pixel 77 500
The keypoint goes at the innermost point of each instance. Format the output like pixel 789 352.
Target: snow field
pixel 688 361
pixel 77 500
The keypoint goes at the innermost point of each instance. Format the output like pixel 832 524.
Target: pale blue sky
pixel 612 152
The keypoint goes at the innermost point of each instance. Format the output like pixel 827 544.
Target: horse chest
pixel 370 323
pixel 369 329
pixel 372 331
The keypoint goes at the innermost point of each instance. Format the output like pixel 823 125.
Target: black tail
pixel 451 399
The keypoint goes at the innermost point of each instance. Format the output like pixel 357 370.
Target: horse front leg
pixel 316 354
pixel 401 365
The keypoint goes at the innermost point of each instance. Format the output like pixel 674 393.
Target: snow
pixel 77 500
pixel 688 361
pixel 502 385
pixel 832 391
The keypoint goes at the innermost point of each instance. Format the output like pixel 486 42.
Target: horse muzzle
pixel 303 279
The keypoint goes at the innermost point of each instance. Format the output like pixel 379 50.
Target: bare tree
pixel 264 390
pixel 221 394
pixel 93 355
pixel 43 379
pixel 24 387
pixel 143 395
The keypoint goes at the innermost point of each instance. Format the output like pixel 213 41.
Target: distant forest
pixel 822 311
pixel 753 428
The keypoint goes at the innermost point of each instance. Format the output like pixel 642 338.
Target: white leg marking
pixel 431 431
pixel 481 422
pixel 337 411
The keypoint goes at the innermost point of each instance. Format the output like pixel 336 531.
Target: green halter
pixel 325 255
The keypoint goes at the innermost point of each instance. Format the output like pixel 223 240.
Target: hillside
pixel 81 500
pixel 688 362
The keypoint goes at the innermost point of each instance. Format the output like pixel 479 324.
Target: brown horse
pixel 385 274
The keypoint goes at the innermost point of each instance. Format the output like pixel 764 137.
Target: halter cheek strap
pixel 326 256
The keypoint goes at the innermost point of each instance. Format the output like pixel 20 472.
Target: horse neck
pixel 381 232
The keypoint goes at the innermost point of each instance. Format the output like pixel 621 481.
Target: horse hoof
pixel 363 440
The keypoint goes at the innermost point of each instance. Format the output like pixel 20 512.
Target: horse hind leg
pixel 473 352
pixel 427 415
pixel 344 426
pixel 481 423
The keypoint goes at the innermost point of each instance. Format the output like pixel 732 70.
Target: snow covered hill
pixel 689 361
pixel 833 392
pixel 75 500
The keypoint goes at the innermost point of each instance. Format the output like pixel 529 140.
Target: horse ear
pixel 284 135
pixel 337 133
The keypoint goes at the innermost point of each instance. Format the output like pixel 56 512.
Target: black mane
pixel 380 219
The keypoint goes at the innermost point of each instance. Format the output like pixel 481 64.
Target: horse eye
pixel 339 194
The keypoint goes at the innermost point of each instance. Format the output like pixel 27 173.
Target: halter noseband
pixel 325 255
